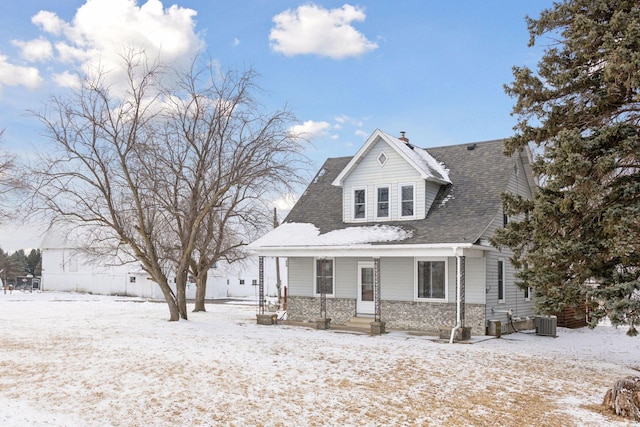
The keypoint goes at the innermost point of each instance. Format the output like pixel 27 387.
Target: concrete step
pixel 360 322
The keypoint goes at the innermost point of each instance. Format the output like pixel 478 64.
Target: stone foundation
pixel 409 315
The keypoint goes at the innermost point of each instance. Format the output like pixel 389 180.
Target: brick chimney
pixel 403 138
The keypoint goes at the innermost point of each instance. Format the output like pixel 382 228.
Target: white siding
pixel 431 191
pixel 396 279
pixel 347 277
pixel 369 174
pixel 514 298
pixel 475 290
pixel 300 279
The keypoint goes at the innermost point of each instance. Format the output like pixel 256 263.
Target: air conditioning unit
pixel 546 325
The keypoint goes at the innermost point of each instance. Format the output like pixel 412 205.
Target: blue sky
pixel 434 69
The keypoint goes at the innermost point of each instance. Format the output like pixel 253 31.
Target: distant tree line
pixel 19 264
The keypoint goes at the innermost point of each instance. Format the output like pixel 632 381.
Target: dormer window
pixel 359 203
pixel 382 202
pixel 382 158
pixel 407 198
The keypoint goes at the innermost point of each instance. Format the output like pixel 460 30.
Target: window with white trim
pixel 359 203
pixel 527 293
pixel 382 202
pixel 407 200
pixel 501 281
pixel 324 275
pixel 431 279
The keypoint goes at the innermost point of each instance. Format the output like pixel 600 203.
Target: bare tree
pixel 10 182
pixel 234 156
pixel 157 170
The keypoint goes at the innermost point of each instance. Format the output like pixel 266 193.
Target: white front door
pixel 366 289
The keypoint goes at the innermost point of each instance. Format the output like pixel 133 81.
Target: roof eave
pixel 375 250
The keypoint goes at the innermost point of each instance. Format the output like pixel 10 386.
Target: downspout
pixel 458 297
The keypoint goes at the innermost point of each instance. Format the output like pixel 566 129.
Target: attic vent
pixel 382 159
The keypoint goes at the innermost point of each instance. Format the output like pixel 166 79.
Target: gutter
pixel 389 250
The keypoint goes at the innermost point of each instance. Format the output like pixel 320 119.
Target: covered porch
pixel 375 286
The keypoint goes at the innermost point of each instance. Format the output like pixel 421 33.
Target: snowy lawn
pixel 84 360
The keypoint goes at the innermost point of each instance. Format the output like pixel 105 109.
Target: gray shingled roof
pixel 460 214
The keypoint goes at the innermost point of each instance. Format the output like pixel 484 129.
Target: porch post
pixel 376 289
pixel 261 284
pixel 323 321
pixel 263 319
pixel 377 326
pixel 462 289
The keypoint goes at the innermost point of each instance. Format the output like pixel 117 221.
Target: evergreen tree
pixel 34 262
pixel 578 240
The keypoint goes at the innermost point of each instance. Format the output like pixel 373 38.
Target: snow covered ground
pixel 84 360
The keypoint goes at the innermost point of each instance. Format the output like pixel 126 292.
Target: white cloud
pixel 67 79
pixel 235 42
pixel 16 75
pixel 311 29
pixel 69 54
pixel 36 50
pixel 49 22
pixel 103 30
pixel 361 133
pixel 285 202
pixel 346 120
pixel 311 129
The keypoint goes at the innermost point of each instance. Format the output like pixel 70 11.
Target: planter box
pixel 267 319
pixel 378 328
pixel 323 323
pixel 462 334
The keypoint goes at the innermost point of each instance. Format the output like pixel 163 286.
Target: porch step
pixel 360 322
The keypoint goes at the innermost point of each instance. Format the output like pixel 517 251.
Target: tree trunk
pixel 201 290
pixel 624 398
pixel 181 294
pixel 170 298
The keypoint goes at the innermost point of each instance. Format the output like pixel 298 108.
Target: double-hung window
pixel 359 203
pixel 382 202
pixel 324 276
pixel 431 277
pixel 407 200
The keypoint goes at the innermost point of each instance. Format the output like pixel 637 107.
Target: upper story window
pixel 359 203
pixel 407 200
pixel 382 202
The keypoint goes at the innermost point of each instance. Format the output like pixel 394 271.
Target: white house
pixel 400 234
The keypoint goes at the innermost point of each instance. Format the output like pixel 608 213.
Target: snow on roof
pixel 419 158
pixel 304 234
pixel 427 164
